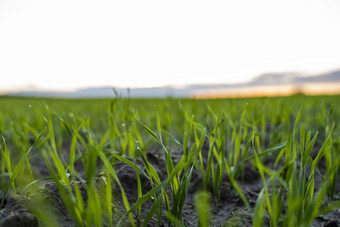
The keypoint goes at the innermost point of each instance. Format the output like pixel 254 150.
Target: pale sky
pixel 69 44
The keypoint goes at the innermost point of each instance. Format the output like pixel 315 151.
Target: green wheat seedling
pixel 63 183
pixel 180 183
pixel 17 169
pixel 230 162
pixel 150 195
pixel 259 210
pixel 331 157
pixel 302 206
pixel 138 171
pixel 203 208
pixel 151 174
pixel 214 173
pixel 211 174
pixel 83 212
pixel 6 165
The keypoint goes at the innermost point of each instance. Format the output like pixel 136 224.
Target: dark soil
pixel 228 210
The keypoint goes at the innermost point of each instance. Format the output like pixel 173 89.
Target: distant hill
pixel 268 79
pixel 294 78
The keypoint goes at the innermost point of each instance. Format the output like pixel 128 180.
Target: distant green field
pixel 284 139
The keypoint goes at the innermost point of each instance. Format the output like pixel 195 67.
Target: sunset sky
pixel 68 44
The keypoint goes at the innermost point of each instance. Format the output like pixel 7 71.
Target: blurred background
pixel 155 48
